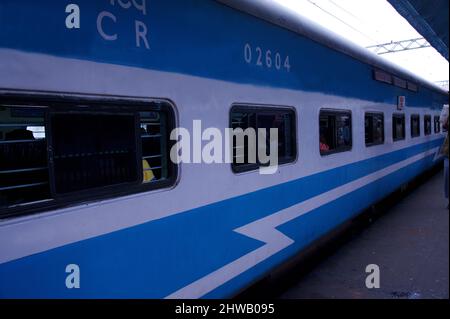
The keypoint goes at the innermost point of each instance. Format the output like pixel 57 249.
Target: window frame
pixel 403 117
pixel 384 125
pixel 415 116
pixel 267 109
pixel 61 103
pixel 437 124
pixel 340 149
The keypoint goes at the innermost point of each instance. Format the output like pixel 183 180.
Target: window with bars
pixel 398 127
pixel 427 124
pixel 262 118
pixel 51 156
pixel 24 172
pixel 415 125
pixel 437 125
pixel 335 129
pixel 374 128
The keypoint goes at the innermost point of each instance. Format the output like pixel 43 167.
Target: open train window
pixel 24 173
pixel 335 128
pixel 415 125
pixel 374 129
pixel 437 125
pixel 78 150
pixel 427 124
pixel 398 127
pixel 247 142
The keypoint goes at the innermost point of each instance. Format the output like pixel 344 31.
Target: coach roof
pixel 277 14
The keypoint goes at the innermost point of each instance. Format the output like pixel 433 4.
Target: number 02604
pixel 266 58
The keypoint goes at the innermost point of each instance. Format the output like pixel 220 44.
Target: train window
pixel 92 150
pixel 257 118
pixel 335 129
pixel 63 153
pixel 437 125
pixel 415 125
pixel 427 124
pixel 398 127
pixel 374 128
pixel 24 173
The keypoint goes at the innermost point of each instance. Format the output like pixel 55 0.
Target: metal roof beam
pixel 399 46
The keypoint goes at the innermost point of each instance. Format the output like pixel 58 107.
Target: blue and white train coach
pixel 91 204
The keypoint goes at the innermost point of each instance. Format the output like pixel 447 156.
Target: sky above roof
pixel 368 23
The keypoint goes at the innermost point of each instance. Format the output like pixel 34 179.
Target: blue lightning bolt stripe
pixel 160 258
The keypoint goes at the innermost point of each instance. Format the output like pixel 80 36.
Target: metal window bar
pixel 21 141
pixel 22 186
pixel 25 170
pixel 21 125
pixel 152 156
pixel 77 155
pixel 153 168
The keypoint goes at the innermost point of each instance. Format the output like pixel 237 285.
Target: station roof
pixel 429 18
pixel 278 14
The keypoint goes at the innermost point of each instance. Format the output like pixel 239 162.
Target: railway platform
pixel 407 237
pixel 409 243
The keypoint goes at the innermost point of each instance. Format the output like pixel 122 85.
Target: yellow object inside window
pixel 148 173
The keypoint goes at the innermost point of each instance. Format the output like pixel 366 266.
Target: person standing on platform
pixel 444 121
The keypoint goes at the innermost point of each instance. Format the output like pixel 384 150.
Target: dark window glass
pixel 255 119
pixel 398 127
pixel 24 174
pixel 413 87
pixel 335 131
pixel 54 155
pixel 427 124
pixel 400 82
pixel 374 128
pixel 92 150
pixel 437 125
pixel 415 125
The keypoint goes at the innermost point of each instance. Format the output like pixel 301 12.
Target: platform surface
pixel 409 243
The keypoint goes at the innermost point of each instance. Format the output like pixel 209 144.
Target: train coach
pixel 91 204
